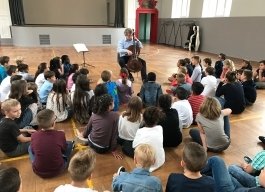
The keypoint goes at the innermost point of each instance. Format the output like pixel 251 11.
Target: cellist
pixel 124 54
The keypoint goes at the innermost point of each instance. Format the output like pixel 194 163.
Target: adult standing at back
pixel 124 53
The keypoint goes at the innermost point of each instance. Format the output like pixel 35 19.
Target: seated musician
pixel 124 54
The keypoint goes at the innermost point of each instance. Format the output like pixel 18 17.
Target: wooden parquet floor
pixel 245 128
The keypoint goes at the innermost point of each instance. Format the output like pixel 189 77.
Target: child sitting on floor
pixel 214 127
pixel 46 87
pixel 183 70
pixel 247 174
pixel 39 75
pixel 249 87
pixel 19 90
pixel 49 151
pixel 112 88
pixel 139 179
pixel 180 78
pixel 10 180
pixel 150 91
pixel 229 66
pixel 172 130
pixel 23 70
pixel 207 62
pixel 6 83
pixel 80 169
pixel 102 128
pixel 129 123
pixel 124 87
pixel 259 75
pixel 209 82
pixel 59 101
pixel 196 99
pixel 12 141
pixel 197 71
pixel 182 105
pixel 81 99
pixel 246 65
pixel 152 134
pixel 193 160
pixel 181 63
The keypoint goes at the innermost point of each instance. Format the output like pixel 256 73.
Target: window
pixel 216 8
pixel 180 8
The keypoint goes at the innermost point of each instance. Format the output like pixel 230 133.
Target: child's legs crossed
pixel 21 149
pixel 68 151
pixel 217 169
pixel 127 148
pixel 227 126
pixel 241 176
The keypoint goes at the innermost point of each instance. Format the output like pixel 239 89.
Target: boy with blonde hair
pixel 80 169
pixel 193 161
pixel 139 179
pixel 12 142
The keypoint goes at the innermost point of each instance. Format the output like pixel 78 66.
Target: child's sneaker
pixel 262 139
pixel 247 159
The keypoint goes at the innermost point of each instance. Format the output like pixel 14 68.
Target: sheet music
pixel 80 47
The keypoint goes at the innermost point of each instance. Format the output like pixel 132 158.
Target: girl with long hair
pixel 124 86
pixel 102 127
pixel 19 91
pixel 39 75
pixel 229 66
pixel 56 67
pixel 73 70
pixel 129 123
pixel 81 99
pixel 59 101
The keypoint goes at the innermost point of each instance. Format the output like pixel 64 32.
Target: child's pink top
pixel 225 70
pixel 188 79
pixel 70 82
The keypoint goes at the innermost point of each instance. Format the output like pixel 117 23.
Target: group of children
pixel 65 91
pixel 200 173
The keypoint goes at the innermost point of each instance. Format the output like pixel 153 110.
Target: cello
pixel 134 64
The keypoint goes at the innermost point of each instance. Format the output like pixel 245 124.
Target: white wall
pixel 64 36
pixel 130 13
pixel 65 12
pixel 5 19
pixel 165 8
pixel 242 8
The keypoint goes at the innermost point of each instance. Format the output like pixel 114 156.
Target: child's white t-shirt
pixel 40 80
pixel 71 188
pixel 210 83
pixel 185 112
pixel 154 137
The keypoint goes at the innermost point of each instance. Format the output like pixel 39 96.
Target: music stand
pixel 81 47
